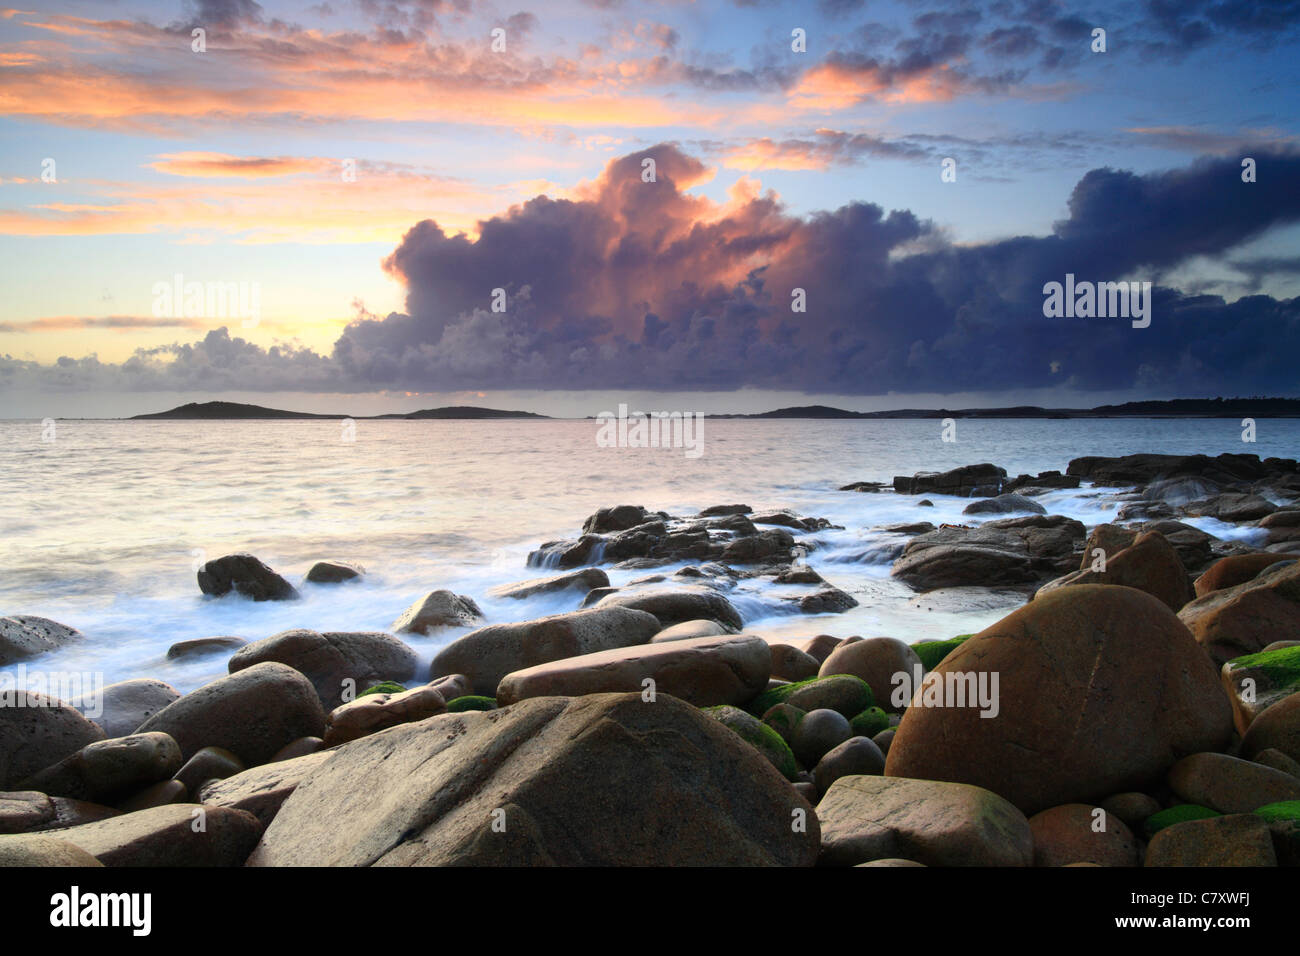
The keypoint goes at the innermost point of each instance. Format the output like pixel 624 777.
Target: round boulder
pixel 885 663
pixel 1098 689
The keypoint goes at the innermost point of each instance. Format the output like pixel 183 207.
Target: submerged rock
pixel 581 581
pixel 25 635
pixel 334 572
pixel 438 609
pixel 246 575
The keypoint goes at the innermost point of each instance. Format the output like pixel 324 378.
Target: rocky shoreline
pixel 1142 706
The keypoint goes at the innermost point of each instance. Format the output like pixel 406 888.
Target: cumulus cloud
pixel 646 285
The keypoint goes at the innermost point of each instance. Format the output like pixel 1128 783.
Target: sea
pixel 103 523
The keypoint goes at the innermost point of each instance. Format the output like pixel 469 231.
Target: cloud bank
pixel 644 285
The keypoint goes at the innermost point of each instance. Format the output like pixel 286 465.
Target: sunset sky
pixel 127 157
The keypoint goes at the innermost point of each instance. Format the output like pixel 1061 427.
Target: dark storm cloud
pixel 646 286
pixel 639 285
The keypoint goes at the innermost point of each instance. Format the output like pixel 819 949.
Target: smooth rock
pixel 37 731
pixel 932 822
pixel 678 606
pixel 108 770
pixel 879 661
pixel 1230 784
pixel 820 732
pixel 334 572
pixel 855 756
pixel 1246 618
pixel 42 851
pixel 566 775
pixel 488 654
pixel 1150 564
pixel 199 647
pixel 704 671
pixel 689 629
pixel 122 707
pixel 1237 840
pixel 1101 690
pixel 374 712
pixel 165 836
pixel 338 664
pixel 1079 833
pixel 262 790
pixel 582 581
pixel 253 713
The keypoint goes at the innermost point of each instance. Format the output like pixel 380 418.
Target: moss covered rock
pixel 471 702
pixel 1179 814
pixel 759 736
pixel 844 693
pixel 784 718
pixel 387 687
pixel 1256 682
pixel 1283 810
pixel 870 722
pixel 932 652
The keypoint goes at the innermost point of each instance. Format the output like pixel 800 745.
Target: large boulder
pixel 879 661
pixel 44 850
pixel 998 553
pixel 246 575
pixel 1235 569
pixel 25 635
pixel 490 653
pixel 866 818
pixel 547 781
pixel 37 731
pixel 122 707
pixel 678 605
pixel 339 664
pixel 438 609
pixel 1144 468
pixel 1150 564
pixel 581 581
pixel 1247 618
pixel 705 671
pixel 1109 540
pixel 169 836
pixel 1100 689
pixel 252 713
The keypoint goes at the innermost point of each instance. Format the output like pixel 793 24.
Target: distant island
pixel 213 411
pixel 1176 408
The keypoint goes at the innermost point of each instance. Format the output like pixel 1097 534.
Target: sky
pixel 358 206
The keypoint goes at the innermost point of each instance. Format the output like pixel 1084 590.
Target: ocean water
pixel 103 527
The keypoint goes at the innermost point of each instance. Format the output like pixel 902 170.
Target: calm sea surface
pixel 102 527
